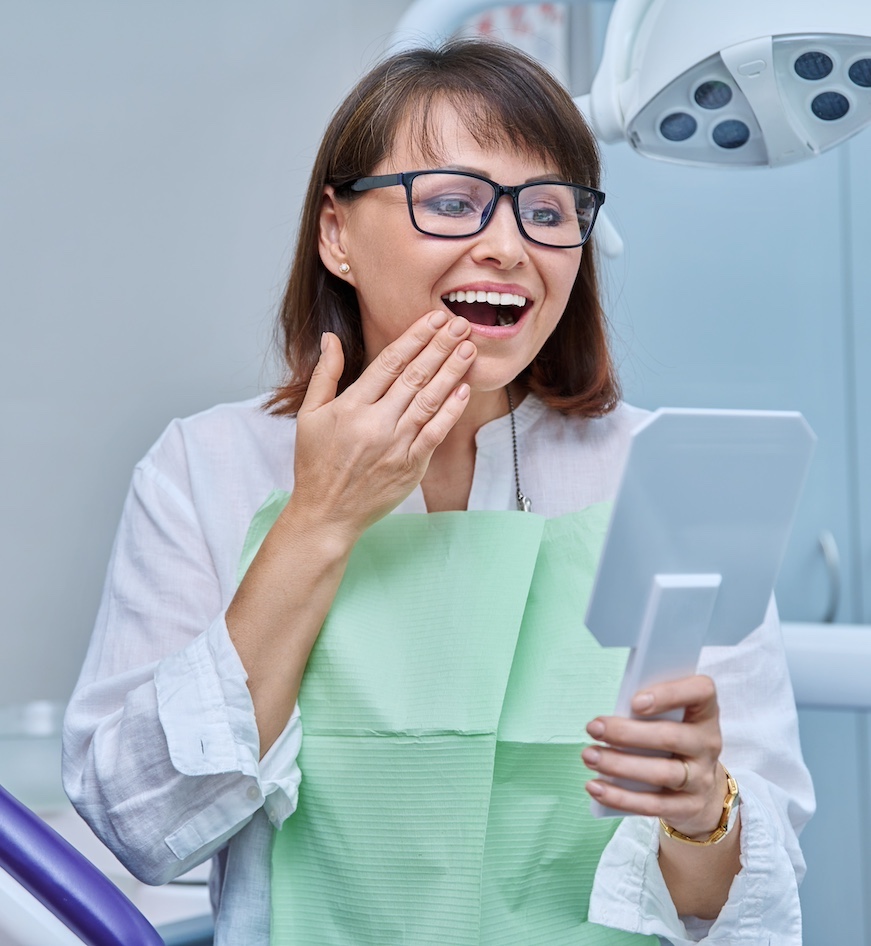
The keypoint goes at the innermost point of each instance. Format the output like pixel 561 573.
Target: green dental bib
pixel 444 707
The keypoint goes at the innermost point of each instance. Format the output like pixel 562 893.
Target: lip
pixel 500 331
pixel 496 331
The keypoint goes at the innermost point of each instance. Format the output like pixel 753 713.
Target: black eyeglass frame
pixel 405 178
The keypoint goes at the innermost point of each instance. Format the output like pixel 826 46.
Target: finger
pixel 677 738
pixel 425 368
pixel 435 431
pixel 428 401
pixel 669 806
pixel 671 773
pixel 697 694
pixel 624 799
pixel 325 378
pixel 393 359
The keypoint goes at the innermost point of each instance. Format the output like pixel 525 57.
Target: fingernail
pixel 463 392
pixel 595 788
pixel 596 728
pixel 642 701
pixel 458 326
pixel 323 342
pixel 465 349
pixel 591 756
pixel 438 319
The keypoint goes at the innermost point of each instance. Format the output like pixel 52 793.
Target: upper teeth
pixel 494 298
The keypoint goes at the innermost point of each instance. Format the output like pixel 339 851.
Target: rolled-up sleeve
pixel 761 749
pixel 161 750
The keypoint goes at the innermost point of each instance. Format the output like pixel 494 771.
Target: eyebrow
pixel 471 170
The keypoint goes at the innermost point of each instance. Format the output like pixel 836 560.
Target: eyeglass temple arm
pixel 376 181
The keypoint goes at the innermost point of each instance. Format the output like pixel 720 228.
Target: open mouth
pixel 487 308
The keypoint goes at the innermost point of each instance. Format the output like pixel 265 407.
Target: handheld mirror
pixel 697 535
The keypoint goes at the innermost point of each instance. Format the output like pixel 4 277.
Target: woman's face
pixel 400 274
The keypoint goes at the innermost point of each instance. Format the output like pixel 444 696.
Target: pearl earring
pixel 344 268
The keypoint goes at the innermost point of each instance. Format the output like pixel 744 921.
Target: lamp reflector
pixel 771 101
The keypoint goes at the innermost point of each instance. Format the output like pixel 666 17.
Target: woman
pixel 446 352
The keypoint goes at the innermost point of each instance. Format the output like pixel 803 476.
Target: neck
pixel 483 407
pixel 448 479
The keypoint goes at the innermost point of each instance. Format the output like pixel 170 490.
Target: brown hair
pixel 507 100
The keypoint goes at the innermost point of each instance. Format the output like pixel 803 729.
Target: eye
pixel 550 204
pixel 544 216
pixel 450 206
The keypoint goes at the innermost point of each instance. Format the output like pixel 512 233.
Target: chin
pixel 482 378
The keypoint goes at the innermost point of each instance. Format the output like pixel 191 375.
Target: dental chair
pixel 84 900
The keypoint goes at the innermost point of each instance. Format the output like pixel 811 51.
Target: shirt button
pixel 253 793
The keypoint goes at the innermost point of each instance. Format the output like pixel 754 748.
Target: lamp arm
pixel 429 21
pixel 433 21
pixel 605 110
pixel 608 240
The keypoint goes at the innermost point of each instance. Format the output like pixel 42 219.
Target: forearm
pixel 357 457
pixel 159 805
pixel 280 607
pixel 699 878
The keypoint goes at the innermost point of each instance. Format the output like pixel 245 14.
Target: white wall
pixel 154 157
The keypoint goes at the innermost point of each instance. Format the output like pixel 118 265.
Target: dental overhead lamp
pixel 727 83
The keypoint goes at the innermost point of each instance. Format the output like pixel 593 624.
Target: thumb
pixel 325 378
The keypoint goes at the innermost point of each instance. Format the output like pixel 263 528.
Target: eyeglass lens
pixel 456 205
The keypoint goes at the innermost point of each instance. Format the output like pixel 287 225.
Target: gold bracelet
pixel 727 818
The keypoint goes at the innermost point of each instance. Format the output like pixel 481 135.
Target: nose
pixel 501 241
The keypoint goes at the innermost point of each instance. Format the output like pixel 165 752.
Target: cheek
pixel 387 308
pixel 564 281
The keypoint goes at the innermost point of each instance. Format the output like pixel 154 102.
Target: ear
pixel 332 234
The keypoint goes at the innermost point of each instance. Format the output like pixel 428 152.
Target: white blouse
pixel 161 746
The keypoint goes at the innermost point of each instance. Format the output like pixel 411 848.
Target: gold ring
pixel 686 779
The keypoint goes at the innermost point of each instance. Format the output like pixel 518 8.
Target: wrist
pixel 728 818
pixel 327 537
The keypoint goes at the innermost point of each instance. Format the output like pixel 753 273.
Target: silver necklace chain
pixel 524 504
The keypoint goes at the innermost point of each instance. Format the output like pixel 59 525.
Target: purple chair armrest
pixel 66 882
